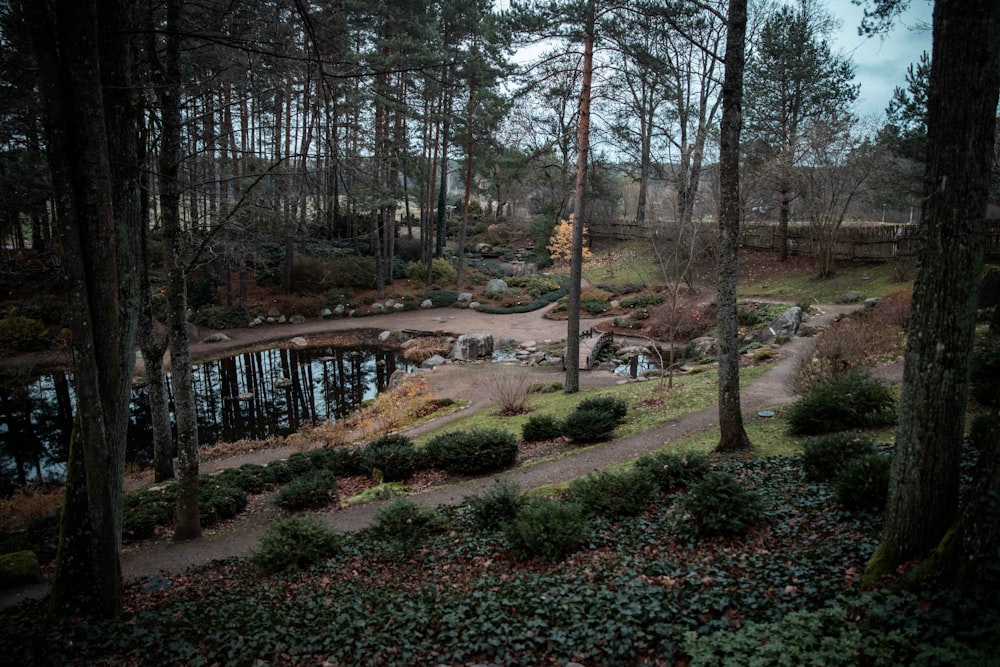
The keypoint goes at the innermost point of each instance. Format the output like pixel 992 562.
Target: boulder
pixel 217 337
pixel 339 310
pixel 398 306
pixel 275 312
pixel 704 346
pixel 397 378
pixel 19 567
pixel 871 302
pixel 325 314
pixel 849 297
pixel 496 285
pixel 378 307
pixel 384 336
pixel 299 341
pixel 434 362
pixel 282 319
pixel 389 303
pixel 426 304
pixel 784 325
pixel 297 318
pixel 464 297
pixel 471 347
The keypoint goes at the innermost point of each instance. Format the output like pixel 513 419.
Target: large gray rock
pixel 470 347
pixel 783 326
pixel 465 297
pixel 298 318
pixel 496 285
pixel 426 304
pixel 434 362
pixel 704 346
pixel 849 297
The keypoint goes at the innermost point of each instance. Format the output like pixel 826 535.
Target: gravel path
pixel 240 538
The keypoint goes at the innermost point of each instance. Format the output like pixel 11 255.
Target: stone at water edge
pixel 217 337
pixel 299 341
pixel 472 347
pixel 434 362
pixel 19 567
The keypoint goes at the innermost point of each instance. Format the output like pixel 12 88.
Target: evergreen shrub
pixel 855 399
pixel 315 489
pixel 494 508
pixel 612 493
pixel 341 461
pixel 404 525
pixel 218 501
pixel 278 472
pixel 675 470
pixel 295 543
pixel 863 483
pixel 473 452
pixel 588 425
pixel 541 427
pixel 546 529
pixel 824 456
pixel 614 407
pixel 719 506
pixel 393 454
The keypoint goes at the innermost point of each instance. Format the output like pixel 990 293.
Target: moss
pixel 20 567
pixel 879 565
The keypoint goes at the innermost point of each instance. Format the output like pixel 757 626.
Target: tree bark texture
pixel 572 356
pixel 732 437
pixel 961 111
pixel 70 43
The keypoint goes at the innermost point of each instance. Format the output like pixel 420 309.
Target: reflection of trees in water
pixel 251 396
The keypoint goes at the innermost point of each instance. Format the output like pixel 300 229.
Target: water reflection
pixel 253 395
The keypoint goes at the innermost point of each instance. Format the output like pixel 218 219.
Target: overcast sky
pixel 881 62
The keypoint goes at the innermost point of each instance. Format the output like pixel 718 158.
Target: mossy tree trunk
pixel 961 111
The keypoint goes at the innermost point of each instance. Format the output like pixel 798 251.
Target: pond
pixel 252 395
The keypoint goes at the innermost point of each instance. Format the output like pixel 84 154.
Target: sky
pixel 880 62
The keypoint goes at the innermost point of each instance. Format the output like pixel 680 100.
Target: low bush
pixel 588 425
pixel 863 483
pixel 675 470
pixel 315 489
pixel 824 456
pixel 299 463
pixel 642 300
pixel 249 477
pixel 442 273
pixel 855 399
pixel 494 508
pixel 341 461
pixel 509 389
pixel 221 317
pixel 612 493
pixel 473 452
pixel 404 525
pixel 149 508
pixel 277 473
pixel 719 506
pixel 615 407
pixel 22 334
pixel 541 427
pixel 218 501
pixel 440 298
pixel 295 543
pixel 546 529
pixel 393 455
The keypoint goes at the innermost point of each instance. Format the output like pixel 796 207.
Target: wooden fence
pixel 863 242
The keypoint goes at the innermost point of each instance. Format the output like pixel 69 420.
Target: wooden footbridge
pixel 591 346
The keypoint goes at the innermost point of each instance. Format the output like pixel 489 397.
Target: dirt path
pixel 240 538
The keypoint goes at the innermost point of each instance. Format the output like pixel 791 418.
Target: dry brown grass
pixel 30 503
pixel 418 350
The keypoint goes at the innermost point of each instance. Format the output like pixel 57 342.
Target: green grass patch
pixel 870 280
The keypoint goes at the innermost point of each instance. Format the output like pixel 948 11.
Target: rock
pixel 271 320
pixel 297 318
pixel 704 346
pixel 339 310
pixel 390 303
pixel 398 306
pixel 298 341
pixel 470 347
pixel 783 326
pixel 397 378
pixel 255 322
pixel 378 307
pixel 426 304
pixel 434 362
pixel 473 305
pixel 384 336
pixel 506 342
pixel 483 247
pixel 274 312
pixel 496 285
pixel 19 567
pixel 871 302
pixel 848 297
pixel 615 304
pixel 325 313
pixel 217 337
pixel 464 297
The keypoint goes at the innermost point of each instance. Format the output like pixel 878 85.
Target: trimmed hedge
pixel 473 452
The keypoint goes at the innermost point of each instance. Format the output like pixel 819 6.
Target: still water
pixel 253 395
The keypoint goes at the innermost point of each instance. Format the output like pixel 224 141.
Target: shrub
pixel 719 505
pixel 615 407
pixel 541 427
pixel 824 456
pixel 855 399
pixel 509 389
pixel 221 317
pixel 341 461
pixel 218 501
pixel 675 470
pixel 494 508
pixel 22 334
pixel 278 472
pixel 405 525
pixel 315 489
pixel 588 425
pixel 642 300
pixel 613 493
pixel 863 483
pixel 147 509
pixel 546 529
pixel 295 543
pixel 442 273
pixel 249 478
pixel 473 452
pixel 440 298
pixel 299 463
pixel 394 455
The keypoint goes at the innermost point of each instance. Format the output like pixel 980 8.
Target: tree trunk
pixel 732 436
pixel 84 77
pixel 961 111
pixel 572 383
